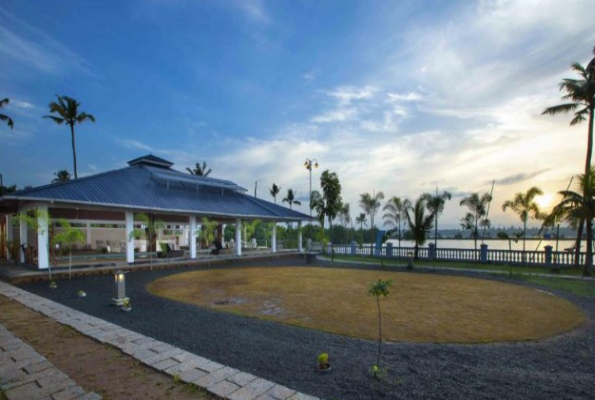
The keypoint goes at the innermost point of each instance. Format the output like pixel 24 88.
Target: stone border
pixel 26 375
pixel 218 379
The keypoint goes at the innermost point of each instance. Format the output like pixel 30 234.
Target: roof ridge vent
pixel 152 160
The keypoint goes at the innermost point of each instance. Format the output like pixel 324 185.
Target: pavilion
pixel 149 185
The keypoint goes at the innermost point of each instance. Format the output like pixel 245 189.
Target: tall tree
pixel 345 214
pixel 395 209
pixel 525 206
pixel 361 220
pixel 580 97
pixel 370 203
pixel 199 170
pixel 420 224
pixel 575 206
pixel 275 190
pixel 4 117
pixel 477 215
pixel 329 203
pixel 435 205
pixel 61 176
pixel 67 110
pixel 290 198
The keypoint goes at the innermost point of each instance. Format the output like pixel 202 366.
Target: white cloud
pixel 410 96
pixel 345 95
pixel 21 104
pixel 336 115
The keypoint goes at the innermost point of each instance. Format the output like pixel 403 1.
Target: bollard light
pixel 120 279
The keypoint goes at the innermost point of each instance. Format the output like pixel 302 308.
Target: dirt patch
pixel 92 365
pixel 420 307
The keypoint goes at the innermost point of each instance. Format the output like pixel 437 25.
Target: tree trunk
pixel 577 244
pixel 589 255
pixel 524 239
pixel 379 331
pixel 73 150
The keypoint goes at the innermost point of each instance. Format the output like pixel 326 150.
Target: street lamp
pixel 309 164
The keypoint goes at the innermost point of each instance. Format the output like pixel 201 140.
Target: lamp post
pixel 309 163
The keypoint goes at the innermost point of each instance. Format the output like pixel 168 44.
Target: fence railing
pixel 547 257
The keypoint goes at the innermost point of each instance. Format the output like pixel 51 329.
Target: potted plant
pixel 126 306
pixel 82 293
pixel 323 364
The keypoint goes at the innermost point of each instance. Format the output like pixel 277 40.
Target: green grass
pixel 578 288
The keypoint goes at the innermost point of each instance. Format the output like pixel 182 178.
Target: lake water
pixel 493 244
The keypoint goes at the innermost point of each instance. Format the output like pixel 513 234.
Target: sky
pixel 399 97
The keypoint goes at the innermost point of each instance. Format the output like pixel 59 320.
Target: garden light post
pixel 309 163
pixel 120 279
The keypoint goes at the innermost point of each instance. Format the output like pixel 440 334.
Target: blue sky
pixel 394 96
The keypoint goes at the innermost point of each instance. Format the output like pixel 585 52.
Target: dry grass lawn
pixel 420 308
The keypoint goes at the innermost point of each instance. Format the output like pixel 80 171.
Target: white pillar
pixel 8 235
pixel 300 249
pixel 22 237
pixel 129 238
pixel 89 234
pixel 238 237
pixel 193 237
pixel 43 259
pixel 274 238
pixel 223 235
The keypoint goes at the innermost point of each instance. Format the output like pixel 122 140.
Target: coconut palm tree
pixel 361 220
pixel 329 203
pixel 370 203
pixel 435 205
pixel 395 212
pixel 290 198
pixel 67 110
pixel 477 215
pixel 275 190
pixel 345 214
pixel 525 206
pixel 199 170
pixel 575 206
pixel 61 176
pixel 4 117
pixel 419 223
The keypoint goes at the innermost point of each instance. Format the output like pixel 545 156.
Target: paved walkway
pixel 26 375
pixel 218 379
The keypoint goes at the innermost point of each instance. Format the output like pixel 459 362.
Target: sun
pixel 545 201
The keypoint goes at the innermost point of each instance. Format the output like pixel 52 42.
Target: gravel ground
pixel 558 368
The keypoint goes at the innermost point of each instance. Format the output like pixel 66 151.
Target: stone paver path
pixel 26 375
pixel 223 381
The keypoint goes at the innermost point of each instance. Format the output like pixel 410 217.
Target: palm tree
pixel 61 176
pixel 67 109
pixel 4 117
pixel 395 211
pixel 420 224
pixel 575 206
pixel 290 198
pixel 361 220
pixel 345 214
pixel 199 170
pixel 329 203
pixel 478 213
pixel 370 204
pixel 525 206
pixel 275 190
pixel 435 205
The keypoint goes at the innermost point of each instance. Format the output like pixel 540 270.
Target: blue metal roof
pixel 148 187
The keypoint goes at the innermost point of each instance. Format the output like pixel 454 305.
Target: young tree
pixel 329 203
pixel 275 190
pixel 290 198
pixel 149 232
pixel 420 224
pixel 435 205
pixel 525 206
pixel 61 176
pixel 395 211
pixel 477 215
pixel 361 220
pixel 377 289
pixel 68 237
pixel 68 113
pixel 4 117
pixel 199 170
pixel 370 204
